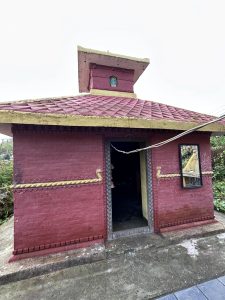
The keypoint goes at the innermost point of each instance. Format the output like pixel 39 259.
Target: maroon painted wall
pixel 52 217
pixel 99 78
pixel 48 216
pixel 174 205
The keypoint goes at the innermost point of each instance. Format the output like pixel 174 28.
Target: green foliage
pixel 219 205
pixel 219 190
pixel 218 157
pixel 218 161
pixel 6 171
pixel 6 150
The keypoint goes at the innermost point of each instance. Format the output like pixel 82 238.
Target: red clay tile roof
pixel 107 106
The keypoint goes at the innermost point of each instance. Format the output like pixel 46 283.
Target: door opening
pixel 128 188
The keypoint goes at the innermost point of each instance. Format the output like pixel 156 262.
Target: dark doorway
pixel 127 212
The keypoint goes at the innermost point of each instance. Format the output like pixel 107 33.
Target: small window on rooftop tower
pixel 113 81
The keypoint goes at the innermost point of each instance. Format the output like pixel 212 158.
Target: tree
pixel 218 162
pixel 6 173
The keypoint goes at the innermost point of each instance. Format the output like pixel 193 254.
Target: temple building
pixel 74 185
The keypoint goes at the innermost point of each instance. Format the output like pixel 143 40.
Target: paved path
pixel 135 268
pixel 210 290
pixel 27 268
pixel 137 274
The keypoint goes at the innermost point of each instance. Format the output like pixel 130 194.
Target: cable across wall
pixel 160 144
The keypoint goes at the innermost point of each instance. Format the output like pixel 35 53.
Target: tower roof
pixel 86 57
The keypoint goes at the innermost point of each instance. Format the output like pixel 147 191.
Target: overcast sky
pixel 184 40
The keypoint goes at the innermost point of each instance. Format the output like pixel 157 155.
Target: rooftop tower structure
pixel 108 74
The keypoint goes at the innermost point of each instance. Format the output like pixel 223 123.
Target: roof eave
pixel 14 117
pixel 6 129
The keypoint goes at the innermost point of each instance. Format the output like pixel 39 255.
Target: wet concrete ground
pixel 144 274
pixel 6 242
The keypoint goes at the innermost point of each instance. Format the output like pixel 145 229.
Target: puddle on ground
pixel 221 236
pixel 109 270
pixel 191 246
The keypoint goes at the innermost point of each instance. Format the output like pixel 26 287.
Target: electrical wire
pixel 219 111
pixel 171 139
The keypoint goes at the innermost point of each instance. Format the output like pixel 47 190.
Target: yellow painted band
pixel 60 183
pixel 172 175
pixel 112 93
pixel 14 117
pixel 107 53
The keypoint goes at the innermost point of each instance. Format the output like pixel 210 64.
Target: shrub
pixel 218 158
pixel 6 199
pixel 218 162
pixel 6 171
pixel 219 195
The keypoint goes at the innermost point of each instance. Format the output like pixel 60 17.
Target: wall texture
pixel 100 75
pixel 174 205
pixel 55 216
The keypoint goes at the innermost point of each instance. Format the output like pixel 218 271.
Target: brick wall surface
pixel 44 216
pixel 174 205
pixel 59 215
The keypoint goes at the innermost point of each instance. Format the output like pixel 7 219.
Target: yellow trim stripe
pixel 60 183
pixel 172 175
pixel 107 53
pixel 97 92
pixel 14 117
